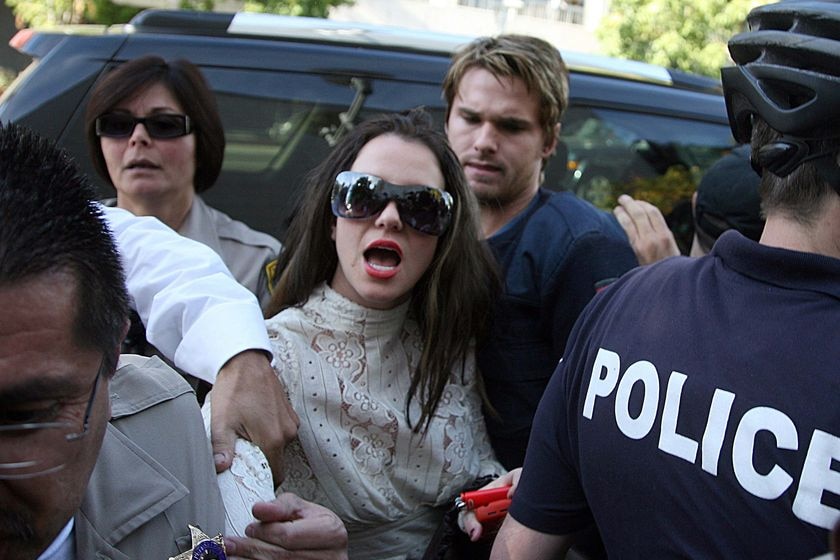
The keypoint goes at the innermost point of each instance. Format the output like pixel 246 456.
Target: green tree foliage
pixel 688 35
pixel 313 8
pixel 37 13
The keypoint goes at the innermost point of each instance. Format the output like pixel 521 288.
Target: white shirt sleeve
pixel 195 313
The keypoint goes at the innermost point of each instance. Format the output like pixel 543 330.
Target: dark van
pixel 288 87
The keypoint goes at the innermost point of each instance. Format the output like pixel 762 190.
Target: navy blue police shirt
pixel 695 412
pixel 554 256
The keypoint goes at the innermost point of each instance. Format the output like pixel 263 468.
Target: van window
pixel 279 126
pixel 657 158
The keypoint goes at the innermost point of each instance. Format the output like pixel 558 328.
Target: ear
pixel 551 143
pixel 332 231
pixel 118 350
pixel 126 326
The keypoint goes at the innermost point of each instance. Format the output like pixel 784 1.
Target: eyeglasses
pixel 161 125
pixel 32 449
pixel 359 195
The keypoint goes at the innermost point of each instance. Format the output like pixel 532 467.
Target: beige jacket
pixel 155 473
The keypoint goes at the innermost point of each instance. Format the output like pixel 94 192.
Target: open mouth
pixel 382 258
pixel 141 164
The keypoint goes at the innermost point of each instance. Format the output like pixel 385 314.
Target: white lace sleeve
pixel 247 482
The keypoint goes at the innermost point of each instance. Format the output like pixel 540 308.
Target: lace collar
pixel 338 312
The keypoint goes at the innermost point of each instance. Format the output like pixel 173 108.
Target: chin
pixel 19 538
pixel 144 187
pixel 387 299
pixel 485 193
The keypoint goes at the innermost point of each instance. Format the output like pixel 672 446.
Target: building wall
pixel 446 16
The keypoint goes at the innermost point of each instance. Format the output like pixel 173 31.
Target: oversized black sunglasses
pixel 359 195
pixel 160 125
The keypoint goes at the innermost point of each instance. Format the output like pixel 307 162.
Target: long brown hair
pixel 451 302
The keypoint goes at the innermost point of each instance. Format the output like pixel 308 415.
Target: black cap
pixel 728 198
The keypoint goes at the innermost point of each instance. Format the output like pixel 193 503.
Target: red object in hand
pixel 490 504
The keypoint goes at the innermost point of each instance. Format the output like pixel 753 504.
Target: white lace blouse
pixel 347 370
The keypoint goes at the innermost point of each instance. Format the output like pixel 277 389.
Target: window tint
pixel 653 157
pixel 279 126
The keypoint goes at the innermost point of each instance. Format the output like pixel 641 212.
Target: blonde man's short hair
pixel 535 61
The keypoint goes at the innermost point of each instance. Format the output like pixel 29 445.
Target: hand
pixel 249 400
pixel 467 520
pixel 646 229
pixel 290 527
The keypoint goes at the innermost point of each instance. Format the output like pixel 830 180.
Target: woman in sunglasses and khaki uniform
pixel 155 135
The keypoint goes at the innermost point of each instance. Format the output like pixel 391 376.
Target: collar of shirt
pixel 62 548
pixel 781 267
pixel 519 217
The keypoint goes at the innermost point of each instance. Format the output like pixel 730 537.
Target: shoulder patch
pixel 142 382
pixel 271 274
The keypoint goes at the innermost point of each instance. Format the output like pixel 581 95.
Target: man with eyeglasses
pixel 93 463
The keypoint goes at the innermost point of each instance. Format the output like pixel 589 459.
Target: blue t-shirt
pixel 696 412
pixel 554 256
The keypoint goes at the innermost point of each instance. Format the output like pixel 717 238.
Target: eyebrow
pixel 153 111
pixel 504 121
pixel 41 388
pixel 514 121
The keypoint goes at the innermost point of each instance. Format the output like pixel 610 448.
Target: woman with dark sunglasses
pixel 155 135
pixel 384 292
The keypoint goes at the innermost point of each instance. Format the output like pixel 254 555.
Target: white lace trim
pixel 247 482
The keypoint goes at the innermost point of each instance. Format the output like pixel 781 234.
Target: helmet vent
pixel 786 95
pixel 773 21
pixel 802 57
pixel 813 19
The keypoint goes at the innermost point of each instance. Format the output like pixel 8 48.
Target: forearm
pixel 515 541
pixel 195 312
pixel 197 315
pixel 220 334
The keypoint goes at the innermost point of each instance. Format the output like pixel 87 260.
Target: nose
pixel 389 218
pixel 139 135
pixel 486 139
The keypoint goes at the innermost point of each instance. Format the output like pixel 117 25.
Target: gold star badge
pixel 203 547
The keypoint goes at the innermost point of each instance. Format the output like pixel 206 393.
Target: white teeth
pixel 380 266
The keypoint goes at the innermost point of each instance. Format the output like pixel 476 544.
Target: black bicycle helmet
pixel 788 72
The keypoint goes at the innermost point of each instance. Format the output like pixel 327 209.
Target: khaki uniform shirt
pixel 247 253
pixel 154 475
